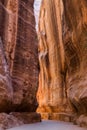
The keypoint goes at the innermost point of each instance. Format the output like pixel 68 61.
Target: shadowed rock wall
pixel 25 64
pixel 18 58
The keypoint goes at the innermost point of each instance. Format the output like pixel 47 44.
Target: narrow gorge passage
pixel 43 64
pixel 37 5
pixel 49 125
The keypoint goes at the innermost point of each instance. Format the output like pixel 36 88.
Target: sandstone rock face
pixel 25 64
pixel 63 57
pixel 6 91
pixel 75 46
pixel 18 57
pixel 52 95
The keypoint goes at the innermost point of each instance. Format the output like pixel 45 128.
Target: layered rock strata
pixel 62 57
pixel 18 58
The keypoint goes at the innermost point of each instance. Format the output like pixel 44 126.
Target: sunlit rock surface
pixel 52 93
pixel 63 59
pixel 75 46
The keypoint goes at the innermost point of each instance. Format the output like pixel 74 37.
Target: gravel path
pixel 49 125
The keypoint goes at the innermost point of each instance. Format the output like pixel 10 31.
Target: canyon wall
pixel 75 46
pixel 52 93
pixel 18 62
pixel 62 56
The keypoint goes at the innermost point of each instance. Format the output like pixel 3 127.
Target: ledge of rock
pixel 16 119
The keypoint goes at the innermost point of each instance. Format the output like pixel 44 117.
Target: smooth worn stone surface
pixel 49 125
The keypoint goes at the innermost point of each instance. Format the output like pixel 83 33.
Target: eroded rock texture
pixel 52 95
pixel 75 45
pixel 25 64
pixel 15 119
pixel 18 57
pixel 63 58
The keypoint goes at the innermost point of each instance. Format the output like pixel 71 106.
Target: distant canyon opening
pixel 37 6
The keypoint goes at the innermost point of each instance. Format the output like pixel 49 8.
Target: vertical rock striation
pixel 25 64
pixel 75 46
pixel 18 61
pixel 62 57
pixel 52 95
